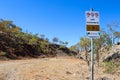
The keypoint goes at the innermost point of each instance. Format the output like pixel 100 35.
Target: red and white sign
pixel 92 18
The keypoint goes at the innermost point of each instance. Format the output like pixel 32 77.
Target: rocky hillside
pixel 113 54
pixel 105 54
pixel 11 50
pixel 15 44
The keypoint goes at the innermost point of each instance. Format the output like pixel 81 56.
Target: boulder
pixel 114 54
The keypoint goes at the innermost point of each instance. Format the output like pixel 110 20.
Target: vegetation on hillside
pixel 15 44
pixel 107 40
pixel 111 67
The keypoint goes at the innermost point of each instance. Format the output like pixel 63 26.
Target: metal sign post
pixel 93 32
pixel 92 56
pixel 92 59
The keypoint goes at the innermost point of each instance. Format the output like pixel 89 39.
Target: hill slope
pixel 15 44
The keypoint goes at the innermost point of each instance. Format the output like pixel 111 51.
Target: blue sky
pixel 64 19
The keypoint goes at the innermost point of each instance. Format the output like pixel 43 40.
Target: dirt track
pixel 48 69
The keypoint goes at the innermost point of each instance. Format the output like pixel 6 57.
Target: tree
pixel 61 42
pixel 42 36
pixel 85 45
pixel 43 46
pixel 26 37
pixel 112 29
pixel 55 39
pixel 9 27
pixel 117 36
pixel 5 25
pixel 34 39
pixel 75 48
pixel 47 39
pixel 104 40
pixel 66 43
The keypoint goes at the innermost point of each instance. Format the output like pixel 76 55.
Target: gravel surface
pixel 50 69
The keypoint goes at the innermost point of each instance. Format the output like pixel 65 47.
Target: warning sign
pixel 92 28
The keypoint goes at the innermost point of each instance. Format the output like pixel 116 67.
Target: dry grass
pixel 49 69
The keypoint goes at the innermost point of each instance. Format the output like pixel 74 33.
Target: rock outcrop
pixel 113 54
pixel 11 48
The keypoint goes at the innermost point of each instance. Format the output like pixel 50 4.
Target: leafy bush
pixel 62 46
pixel 33 40
pixel 3 53
pixel 111 67
pixel 43 46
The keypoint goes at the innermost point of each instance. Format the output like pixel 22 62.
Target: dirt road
pixel 49 69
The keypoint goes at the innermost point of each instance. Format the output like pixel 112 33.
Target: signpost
pixel 92 24
pixel 93 32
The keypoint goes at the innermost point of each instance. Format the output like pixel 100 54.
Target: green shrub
pixel 2 53
pixel 43 46
pixel 62 46
pixel 111 67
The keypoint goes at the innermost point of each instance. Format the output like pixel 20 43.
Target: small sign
pixel 93 33
pixel 92 28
